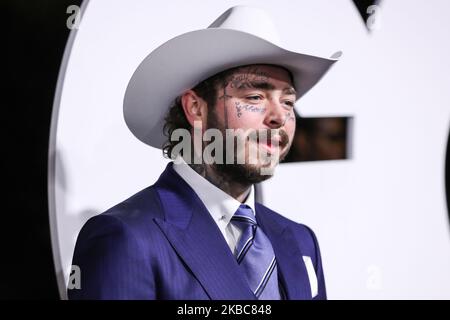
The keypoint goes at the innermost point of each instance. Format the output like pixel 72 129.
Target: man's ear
pixel 194 107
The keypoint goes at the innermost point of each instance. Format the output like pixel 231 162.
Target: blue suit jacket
pixel 162 243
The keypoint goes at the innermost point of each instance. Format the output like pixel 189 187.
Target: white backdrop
pixel 380 217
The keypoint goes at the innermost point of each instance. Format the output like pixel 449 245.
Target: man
pixel 198 233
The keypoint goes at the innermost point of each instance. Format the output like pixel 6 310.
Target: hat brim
pixel 182 62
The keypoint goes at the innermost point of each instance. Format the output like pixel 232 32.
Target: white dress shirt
pixel 219 204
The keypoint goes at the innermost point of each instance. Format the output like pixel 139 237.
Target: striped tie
pixel 254 254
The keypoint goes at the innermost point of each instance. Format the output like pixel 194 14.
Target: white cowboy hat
pixel 240 36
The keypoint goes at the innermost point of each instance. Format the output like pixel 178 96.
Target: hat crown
pixel 251 20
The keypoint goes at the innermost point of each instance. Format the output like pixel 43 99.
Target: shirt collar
pixel 220 205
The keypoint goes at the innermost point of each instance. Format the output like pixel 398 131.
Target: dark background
pixel 36 36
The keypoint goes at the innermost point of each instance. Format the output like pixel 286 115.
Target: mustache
pixel 269 135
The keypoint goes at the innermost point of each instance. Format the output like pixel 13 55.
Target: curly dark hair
pixel 176 119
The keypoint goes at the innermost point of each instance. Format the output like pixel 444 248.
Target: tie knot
pixel 244 214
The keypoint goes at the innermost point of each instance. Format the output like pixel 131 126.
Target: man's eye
pixel 289 103
pixel 254 98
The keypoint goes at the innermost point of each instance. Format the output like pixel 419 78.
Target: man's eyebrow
pixel 289 90
pixel 262 85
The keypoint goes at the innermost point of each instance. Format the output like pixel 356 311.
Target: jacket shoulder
pixel 143 204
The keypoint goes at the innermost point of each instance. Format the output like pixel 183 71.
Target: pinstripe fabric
pixel 254 254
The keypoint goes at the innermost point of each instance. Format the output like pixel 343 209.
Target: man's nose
pixel 275 117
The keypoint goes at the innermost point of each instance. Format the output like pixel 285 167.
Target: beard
pixel 246 173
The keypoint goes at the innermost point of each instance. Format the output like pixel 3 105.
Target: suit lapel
pixel 194 235
pixel 291 268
